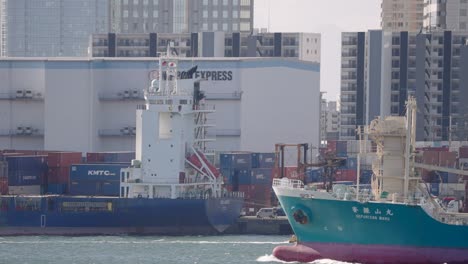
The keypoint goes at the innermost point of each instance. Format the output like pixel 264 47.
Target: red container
pixel 346 175
pixel 94 157
pixel 431 157
pixel 248 191
pixel 463 152
pixel 63 159
pixel 448 159
pixel 60 175
pixel 331 146
pixel 3 185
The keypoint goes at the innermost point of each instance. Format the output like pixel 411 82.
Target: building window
pixel 225 26
pixel 245 26
pixel 235 2
pixel 215 26
pixel 215 2
pixel 155 13
pixel 245 14
pixel 225 2
pixel 235 14
pixel 145 13
pixel 245 2
pixel 205 13
pixel 215 14
pixel 205 2
pixel 125 13
pixel 235 27
pixel 135 13
pixel 135 2
pixel 205 27
pixel 125 2
pixel 225 14
pixel 463 25
pixel 145 2
pixel 155 2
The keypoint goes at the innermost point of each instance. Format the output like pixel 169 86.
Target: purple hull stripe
pixel 370 253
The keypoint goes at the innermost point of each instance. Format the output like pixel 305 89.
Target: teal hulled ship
pixel 396 220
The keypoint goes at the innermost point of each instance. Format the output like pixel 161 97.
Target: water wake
pixel 271 258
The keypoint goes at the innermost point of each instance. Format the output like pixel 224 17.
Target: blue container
pixel 366 176
pixel 235 160
pixel 88 188
pixel 266 160
pixel 452 178
pixel 434 189
pixel 255 160
pixel 342 154
pixel 342 147
pixel 26 170
pixel 442 177
pixel 118 156
pixel 57 188
pixel 110 188
pixel 262 176
pixel 245 177
pixel 314 175
pixel 231 175
pixel 96 172
pixel 351 163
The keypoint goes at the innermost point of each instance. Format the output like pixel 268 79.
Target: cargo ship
pixel 396 220
pixel 170 188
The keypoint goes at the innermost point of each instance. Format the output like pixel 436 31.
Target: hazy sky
pixel 328 17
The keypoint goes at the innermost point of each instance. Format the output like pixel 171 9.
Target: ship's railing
pixel 288 183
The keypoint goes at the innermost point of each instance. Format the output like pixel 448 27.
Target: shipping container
pixel 27 170
pixel 245 177
pixel 3 185
pixel 25 190
pixel 110 188
pixel 453 178
pixel 87 188
pixel 366 176
pixel 60 175
pixel 351 163
pixel 448 159
pixel 313 175
pixel 463 152
pixel 3 169
pixel 109 157
pixel 235 160
pixel 63 159
pixel 231 176
pixel 341 148
pixel 346 175
pixel 331 146
pixel 57 188
pixel 96 172
pixel 263 160
pixel 262 176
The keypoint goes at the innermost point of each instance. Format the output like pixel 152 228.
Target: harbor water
pixel 141 250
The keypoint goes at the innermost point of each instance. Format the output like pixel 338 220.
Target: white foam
pixel 271 258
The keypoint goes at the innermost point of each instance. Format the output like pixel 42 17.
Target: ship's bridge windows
pixel 183 102
pixel 27 204
pixel 160 102
pixel 87 206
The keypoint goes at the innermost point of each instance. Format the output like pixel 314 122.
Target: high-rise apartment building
pixel 446 15
pixel 180 16
pixel 329 120
pixel 303 46
pixel 390 66
pixel 63 27
pixel 50 28
pixel 402 15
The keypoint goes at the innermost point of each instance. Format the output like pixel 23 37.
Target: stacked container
pixel 59 170
pixel 110 157
pixel 95 179
pixel 250 173
pixel 27 174
pixel 3 177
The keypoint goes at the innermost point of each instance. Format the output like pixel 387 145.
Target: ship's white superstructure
pixel 170 134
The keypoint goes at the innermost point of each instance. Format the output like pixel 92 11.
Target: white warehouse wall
pixel 258 101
